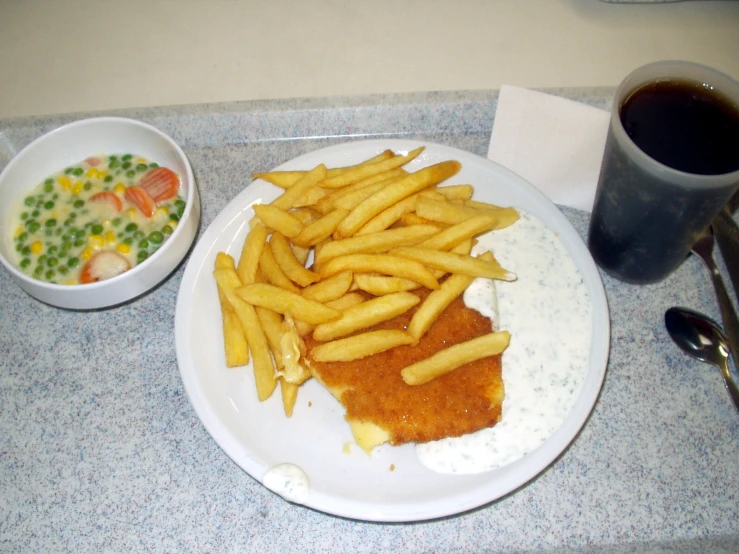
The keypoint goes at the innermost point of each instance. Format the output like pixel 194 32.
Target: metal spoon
pixel 703 339
pixel 703 248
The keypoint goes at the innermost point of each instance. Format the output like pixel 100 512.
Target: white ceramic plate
pixel 257 436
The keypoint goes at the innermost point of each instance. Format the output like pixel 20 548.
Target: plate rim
pixel 541 458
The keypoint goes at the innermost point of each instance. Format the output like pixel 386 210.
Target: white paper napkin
pixel 554 143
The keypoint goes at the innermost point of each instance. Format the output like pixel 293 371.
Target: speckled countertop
pixel 100 450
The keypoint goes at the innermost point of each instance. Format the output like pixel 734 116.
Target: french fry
pixel 326 203
pixel 413 219
pixel 289 392
pixel 455 356
pixel 288 263
pixel 452 236
pixel 451 213
pixel 452 192
pixel 271 323
pixel 366 314
pixel 351 200
pixel 435 303
pixel 342 303
pixel 320 229
pixel 272 271
pixel 364 171
pixel 380 263
pixel 263 365
pixel 330 288
pixel 393 193
pixel 380 285
pixel 451 262
pixel 286 302
pixel 374 243
pixel 310 197
pixel 234 340
pixel 278 219
pixel 287 199
pixel 389 216
pixel 250 253
pixel 360 346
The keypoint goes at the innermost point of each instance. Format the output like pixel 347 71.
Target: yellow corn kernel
pixel 70 282
pixel 161 212
pixel 131 212
pixel 172 223
pixel 87 253
pixel 106 223
pixel 123 248
pixel 64 182
pixel 110 237
pixel 142 161
pixel 37 247
pixel 18 231
pixel 120 188
pixel 77 187
pixel 93 173
pixel 96 241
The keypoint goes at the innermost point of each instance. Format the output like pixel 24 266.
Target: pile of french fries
pixel 372 227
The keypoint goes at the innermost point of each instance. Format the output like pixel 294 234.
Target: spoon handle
pixel 729 382
pixel 728 314
pixel 727 235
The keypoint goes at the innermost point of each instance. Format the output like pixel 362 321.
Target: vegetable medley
pixel 96 219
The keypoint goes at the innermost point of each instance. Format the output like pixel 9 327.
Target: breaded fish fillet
pixel 380 407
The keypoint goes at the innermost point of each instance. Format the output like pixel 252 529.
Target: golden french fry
pixel 330 288
pixel 435 303
pixel 306 214
pixel 288 263
pixel 286 302
pixel 301 253
pixel 287 199
pixel 234 340
pixel 310 197
pixel 366 315
pixel 375 243
pixel 360 346
pixel 380 285
pixel 271 323
pixel 451 262
pixel 393 193
pixel 389 216
pixel 452 192
pixel 263 365
pixel 452 236
pixel 250 253
pixel 326 203
pixel 351 200
pixel 413 219
pixel 465 247
pixel 278 219
pixel 289 393
pixel 342 303
pixel 455 356
pixel 272 271
pixel 367 170
pixel 400 266
pixel 320 229
pixel 449 212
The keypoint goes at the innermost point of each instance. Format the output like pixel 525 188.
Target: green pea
pixel 179 202
pixel 22 237
pixel 25 262
pixel 131 227
pixel 125 165
pixel 88 225
pixel 18 247
pixel 156 237
pixel 51 262
pixel 29 201
pixel 167 230
pixel 117 221
pixel 63 254
pixel 49 232
pixel 113 163
pixel 73 262
pixel 52 250
pixel 68 170
pixel 141 256
pixel 38 270
pixel 78 171
pixel 35 213
pixel 55 196
pixel 73 215
pixel 48 187
pixel 50 274
pixel 49 205
pixel 126 157
pixel 130 173
pixel 174 217
pixel 26 250
pixel 50 222
pixel 34 226
pixel 152 165
pixel 108 178
pixel 68 222
pixel 79 234
pixel 138 235
pixel 78 203
pixel 24 216
pixel 143 243
pixel 128 241
pixel 67 245
pixel 141 167
pixel 87 185
pixel 121 235
pixel 42 259
pixel 49 181
pixel 79 242
pixel 62 269
pixel 180 211
pixel 97 229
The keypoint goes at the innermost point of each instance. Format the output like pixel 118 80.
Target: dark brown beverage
pixel 685 125
pixel 646 216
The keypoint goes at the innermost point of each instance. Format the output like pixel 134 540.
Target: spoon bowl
pixel 700 337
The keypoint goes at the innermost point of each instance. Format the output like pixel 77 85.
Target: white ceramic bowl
pixel 68 145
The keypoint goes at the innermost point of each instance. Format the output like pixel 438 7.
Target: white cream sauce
pixel 549 315
pixel 289 481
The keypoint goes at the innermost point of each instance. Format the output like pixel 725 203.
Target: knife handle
pixel 726 232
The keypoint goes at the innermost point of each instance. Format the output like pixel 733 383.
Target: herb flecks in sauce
pixel 83 210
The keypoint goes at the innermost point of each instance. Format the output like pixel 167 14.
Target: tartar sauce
pixel 548 313
pixel 289 481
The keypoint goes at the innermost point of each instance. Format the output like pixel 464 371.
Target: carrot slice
pixel 108 197
pixel 141 199
pixel 103 265
pixel 161 184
